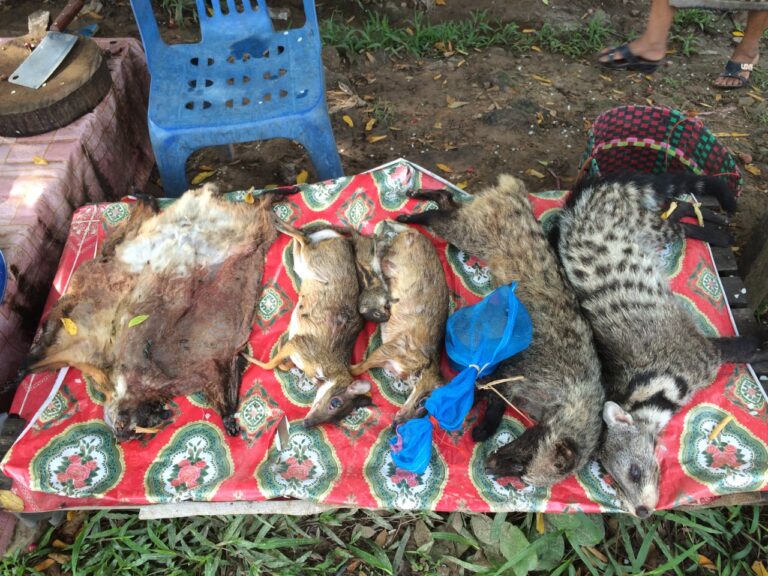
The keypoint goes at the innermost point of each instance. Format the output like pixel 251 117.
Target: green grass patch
pixel 378 543
pixel 419 37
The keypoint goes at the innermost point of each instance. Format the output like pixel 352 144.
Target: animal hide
pixel 165 310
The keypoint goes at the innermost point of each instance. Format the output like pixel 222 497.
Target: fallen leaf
pixel 301 177
pixel 539 118
pixel 59 544
pixel 409 31
pixel 40 161
pixel 348 121
pixel 439 2
pixel 755 96
pixel 457 104
pixel 649 77
pixel 202 176
pixel 373 139
pixel 535 48
pixel 541 79
pixel 540 523
pixel 649 101
pixel 529 31
pixel 437 77
pixel 44 565
pixel 752 169
pixel 731 134
pixel 444 167
pixel 9 501
pixel 59 558
pixel 136 320
pixel 534 172
pixel 596 553
pixel 370 124
pixel 438 126
pixel 69 326
pixel 706 563
pixel 759 569
pixel 463 184
pixel 381 538
pixel 737 34
pixel 606 78
pixel 206 167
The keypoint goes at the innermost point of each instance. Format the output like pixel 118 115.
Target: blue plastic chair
pixel 244 81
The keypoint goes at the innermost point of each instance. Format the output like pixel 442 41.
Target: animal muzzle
pixel 495 465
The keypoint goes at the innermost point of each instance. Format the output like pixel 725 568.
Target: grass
pixel 717 541
pixel 420 38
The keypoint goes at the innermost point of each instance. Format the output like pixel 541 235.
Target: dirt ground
pixel 526 114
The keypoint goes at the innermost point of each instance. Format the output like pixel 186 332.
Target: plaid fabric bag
pixel 656 139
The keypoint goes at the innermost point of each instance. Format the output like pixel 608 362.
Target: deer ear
pixel 359 387
pixel 613 414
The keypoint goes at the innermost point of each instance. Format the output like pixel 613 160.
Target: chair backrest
pixel 244 26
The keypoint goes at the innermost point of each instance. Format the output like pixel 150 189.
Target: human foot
pixel 735 74
pixel 634 57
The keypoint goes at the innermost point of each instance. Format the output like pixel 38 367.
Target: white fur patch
pixel 325 234
pixel 121 387
pixel 322 392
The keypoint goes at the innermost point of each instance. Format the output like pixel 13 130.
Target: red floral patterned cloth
pixel 68 458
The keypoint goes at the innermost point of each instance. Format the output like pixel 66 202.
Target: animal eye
pixel 634 473
pixel 422 402
pixel 335 403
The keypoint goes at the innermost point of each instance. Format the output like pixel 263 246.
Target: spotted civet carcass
pixel 653 356
pixel 561 387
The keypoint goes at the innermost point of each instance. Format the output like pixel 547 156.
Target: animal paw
pixel 231 425
pixel 481 433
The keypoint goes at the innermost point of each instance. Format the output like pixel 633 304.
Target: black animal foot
pixel 481 433
pixel 231 425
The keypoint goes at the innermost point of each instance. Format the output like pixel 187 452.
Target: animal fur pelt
pixel 165 309
pixel 561 387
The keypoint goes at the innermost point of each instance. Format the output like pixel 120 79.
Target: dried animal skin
pixel 194 271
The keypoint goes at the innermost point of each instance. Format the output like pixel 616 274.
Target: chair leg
pixel 321 147
pixel 171 160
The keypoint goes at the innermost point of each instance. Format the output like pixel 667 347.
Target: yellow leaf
pixel 9 501
pixel 606 78
pixel 719 428
pixel 370 124
pixel 534 172
pixel 463 184
pixel 706 563
pixel 529 31
pixel 439 2
pixel 457 104
pixel 737 34
pixel 202 176
pixel 39 160
pixel 759 569
pixel 444 167
pixel 755 96
pixel 348 121
pixel 540 523
pixel 649 77
pixel 301 177
pixel 541 79
pixel 271 186
pixel 373 139
pixel 136 320
pixel 59 544
pixel 752 169
pixel 535 48
pixel 69 326
pixel 437 77
pixel 44 565
pixel 248 197
pixel 409 31
pixel 731 134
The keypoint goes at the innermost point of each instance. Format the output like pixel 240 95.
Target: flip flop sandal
pixel 620 58
pixel 732 70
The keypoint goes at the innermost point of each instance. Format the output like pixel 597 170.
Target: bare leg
pixel 748 50
pixel 282 355
pixel 377 359
pixel 652 44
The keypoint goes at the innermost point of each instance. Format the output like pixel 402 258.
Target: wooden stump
pixel 77 86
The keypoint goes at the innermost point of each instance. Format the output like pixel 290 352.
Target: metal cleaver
pixel 50 53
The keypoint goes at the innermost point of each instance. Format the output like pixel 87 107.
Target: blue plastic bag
pixel 478 338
